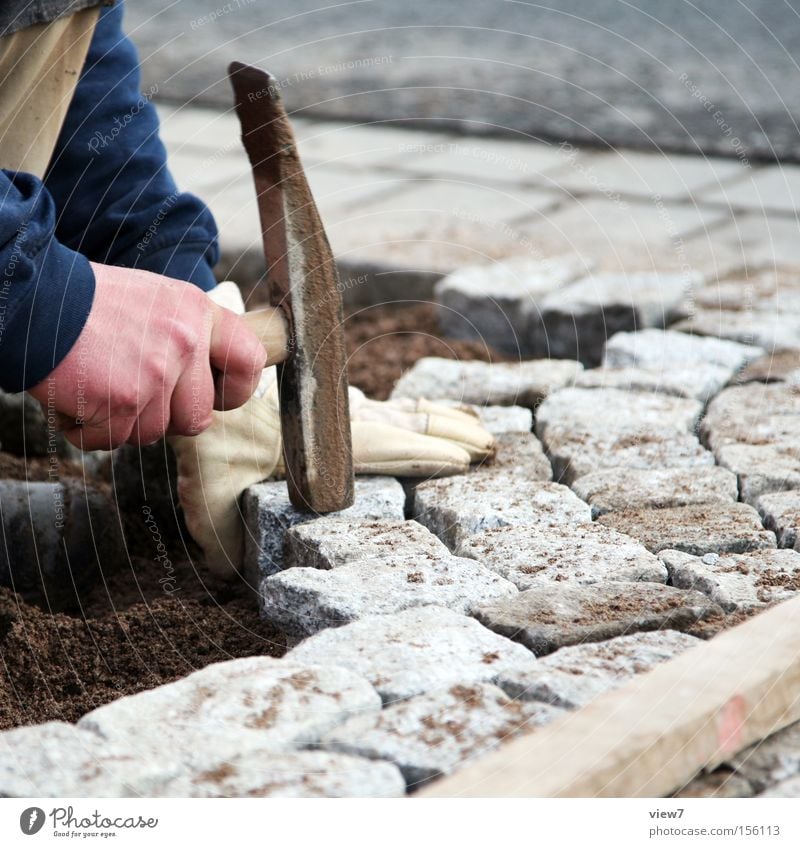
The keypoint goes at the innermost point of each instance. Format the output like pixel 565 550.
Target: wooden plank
pixel 652 736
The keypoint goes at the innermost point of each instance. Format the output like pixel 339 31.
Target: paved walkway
pixel 412 205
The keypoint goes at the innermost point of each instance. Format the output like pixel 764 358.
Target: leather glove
pixel 413 438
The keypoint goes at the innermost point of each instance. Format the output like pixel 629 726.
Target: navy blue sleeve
pixel 46 289
pixel 117 202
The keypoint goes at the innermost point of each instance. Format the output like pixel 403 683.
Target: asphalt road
pixel 720 76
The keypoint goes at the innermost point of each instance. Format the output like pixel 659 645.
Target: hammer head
pixel 303 283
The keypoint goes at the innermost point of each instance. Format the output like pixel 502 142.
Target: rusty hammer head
pixel 304 288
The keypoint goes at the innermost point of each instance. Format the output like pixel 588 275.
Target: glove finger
pixel 460 412
pixel 380 448
pixel 466 434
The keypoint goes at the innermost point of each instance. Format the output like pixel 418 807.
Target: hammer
pixel 305 322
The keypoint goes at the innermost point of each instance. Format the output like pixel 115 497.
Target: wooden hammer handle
pixel 270 326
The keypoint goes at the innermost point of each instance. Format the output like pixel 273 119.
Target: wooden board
pixel 652 736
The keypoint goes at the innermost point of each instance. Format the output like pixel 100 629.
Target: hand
pixel 143 364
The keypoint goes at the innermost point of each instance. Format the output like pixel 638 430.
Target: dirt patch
pixel 384 341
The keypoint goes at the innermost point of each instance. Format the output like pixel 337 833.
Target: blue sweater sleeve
pixel 117 201
pixel 46 289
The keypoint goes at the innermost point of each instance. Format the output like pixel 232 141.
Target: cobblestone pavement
pixel 645 493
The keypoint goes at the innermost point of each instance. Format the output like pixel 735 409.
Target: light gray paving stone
pixel 575 454
pixel 718 784
pixel 701 529
pixel 307 773
pixel 457 507
pixel 615 489
pixel 772 761
pixel 661 349
pixel 787 788
pixel 780 366
pixel 259 702
pixel 484 384
pixel 774 291
pixel 436 733
pixel 762 329
pixel 268 514
pixel 415 651
pixel 780 512
pixel 499 419
pixel 331 542
pixel 57 759
pixel 552 616
pixel 517 454
pixel 699 382
pixel 573 676
pixel 541 555
pixel 580 318
pixel 498 303
pixel 737 581
pixel 754 413
pixel 303 601
pixel 762 468
pixel 587 410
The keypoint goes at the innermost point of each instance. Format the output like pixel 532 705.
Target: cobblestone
pixel 737 581
pixel 436 733
pixel 573 676
pixel 614 490
pixel 706 528
pixel 415 651
pixel 770 331
pixel 516 384
pixel 781 513
pixel 773 761
pixel 762 468
pixel 268 514
pixel 303 601
pixel 542 555
pixel 553 616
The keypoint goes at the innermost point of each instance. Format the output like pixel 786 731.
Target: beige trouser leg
pixel 39 70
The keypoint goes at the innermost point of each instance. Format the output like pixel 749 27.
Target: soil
pixel 131 634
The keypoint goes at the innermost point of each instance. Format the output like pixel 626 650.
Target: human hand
pixel 144 363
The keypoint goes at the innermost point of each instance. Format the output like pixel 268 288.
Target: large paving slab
pixel 780 512
pixel 303 601
pixel 268 514
pixel 270 704
pixel 542 555
pixel 762 329
pixel 762 468
pixel 415 651
pixel 579 318
pixel 328 543
pixel 548 617
pixel 484 384
pixel 737 581
pixel 616 489
pixel 701 529
pixel 435 734
pixel 456 507
pixel 573 676
pixel 771 761
pixel 576 454
pixel 498 303
pixel 588 410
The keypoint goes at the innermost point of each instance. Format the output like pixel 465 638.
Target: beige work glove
pixel 413 438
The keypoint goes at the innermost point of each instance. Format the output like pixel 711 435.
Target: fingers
pixel 466 434
pixel 192 402
pixel 380 448
pixel 105 435
pixel 237 353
